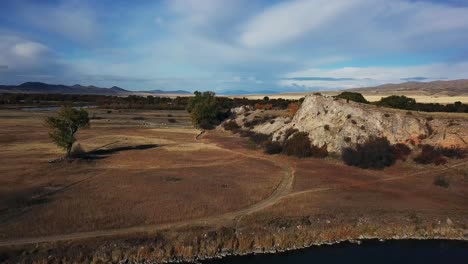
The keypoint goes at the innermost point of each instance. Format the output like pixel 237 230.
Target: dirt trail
pixel 283 188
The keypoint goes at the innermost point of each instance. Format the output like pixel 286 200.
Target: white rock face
pixel 338 123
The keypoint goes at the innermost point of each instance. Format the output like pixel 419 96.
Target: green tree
pixel 204 109
pixel 351 96
pixel 64 126
pixel 399 102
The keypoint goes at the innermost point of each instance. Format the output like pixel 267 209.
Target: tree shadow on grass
pixel 104 153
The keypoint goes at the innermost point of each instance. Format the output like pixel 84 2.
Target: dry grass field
pixel 140 176
pixel 148 174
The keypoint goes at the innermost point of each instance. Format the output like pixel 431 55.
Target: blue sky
pixel 221 45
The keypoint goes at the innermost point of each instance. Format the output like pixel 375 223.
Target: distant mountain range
pixel 38 87
pixel 450 88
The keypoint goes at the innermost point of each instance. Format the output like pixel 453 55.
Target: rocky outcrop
pixel 338 124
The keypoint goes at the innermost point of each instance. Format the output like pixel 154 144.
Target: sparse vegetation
pixel 64 126
pixel 441 181
pixel 232 126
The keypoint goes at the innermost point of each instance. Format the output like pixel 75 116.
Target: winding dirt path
pixel 283 188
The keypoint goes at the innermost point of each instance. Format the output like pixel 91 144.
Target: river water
pixel 372 251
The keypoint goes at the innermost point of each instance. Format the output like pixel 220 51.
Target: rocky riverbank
pixel 196 243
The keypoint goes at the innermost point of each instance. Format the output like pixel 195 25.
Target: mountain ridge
pixel 40 87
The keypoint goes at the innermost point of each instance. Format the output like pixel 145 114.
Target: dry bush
pixel 401 151
pixel 453 152
pixel 376 153
pixel 319 152
pixel 293 108
pixel 290 131
pixel 258 120
pixel 441 181
pixel 273 147
pixel 231 126
pixel 259 106
pixel 298 145
pixel 429 154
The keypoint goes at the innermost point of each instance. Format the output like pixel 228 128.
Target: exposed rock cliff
pixel 338 123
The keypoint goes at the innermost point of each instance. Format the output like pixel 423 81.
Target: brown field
pixel 149 174
pixel 171 178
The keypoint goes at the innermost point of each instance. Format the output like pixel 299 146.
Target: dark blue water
pixel 373 251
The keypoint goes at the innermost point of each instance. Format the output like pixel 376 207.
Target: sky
pixel 231 45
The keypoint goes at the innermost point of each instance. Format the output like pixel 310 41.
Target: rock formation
pixel 338 123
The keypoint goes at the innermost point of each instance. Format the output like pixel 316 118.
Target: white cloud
pixel 71 19
pixel 29 49
pixel 356 24
pixel 289 20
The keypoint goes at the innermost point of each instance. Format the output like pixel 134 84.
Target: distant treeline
pixel 132 101
pixel 407 103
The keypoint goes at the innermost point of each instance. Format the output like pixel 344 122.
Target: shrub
pixel 256 138
pixel 396 101
pixel 273 147
pixel 171 120
pixel 257 121
pixel 138 118
pixel 319 152
pixel 289 132
pixel 453 152
pixel 430 154
pixel 298 145
pixel 376 153
pixel 231 126
pixel 326 127
pixel 401 151
pixel 441 181
pixel 350 96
